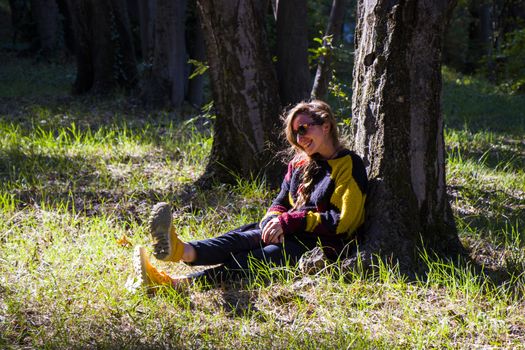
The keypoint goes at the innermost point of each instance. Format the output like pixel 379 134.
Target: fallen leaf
pixel 124 241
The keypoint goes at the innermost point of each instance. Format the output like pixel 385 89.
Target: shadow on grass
pixel 504 155
pixel 87 112
pixel 55 179
pixel 68 183
pixel 478 111
pixel 17 167
pixel 239 303
pixel 490 212
pixel 474 105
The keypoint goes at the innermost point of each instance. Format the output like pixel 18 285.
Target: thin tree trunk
pixel 244 90
pixel 178 56
pixel 66 25
pixel 487 36
pixel 104 50
pixel 165 82
pixel 292 51
pixel 147 27
pixel 398 128
pixel 324 67
pixel 21 21
pixel 274 8
pixel 46 15
pixel 197 51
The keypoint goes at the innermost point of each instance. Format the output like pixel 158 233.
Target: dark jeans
pixel 235 249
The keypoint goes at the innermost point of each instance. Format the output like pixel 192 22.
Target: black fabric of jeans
pixel 236 249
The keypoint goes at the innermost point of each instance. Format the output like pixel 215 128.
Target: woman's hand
pixel 272 232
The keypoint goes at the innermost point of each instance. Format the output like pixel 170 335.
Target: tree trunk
pixel 104 50
pixel 244 90
pixel 197 51
pixel 22 21
pixel 398 128
pixel 487 31
pixel 274 8
pixel 147 28
pixel 292 51
pixel 166 81
pixel 46 15
pixel 66 25
pixel 324 67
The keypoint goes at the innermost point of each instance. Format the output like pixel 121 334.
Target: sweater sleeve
pixel 281 204
pixel 343 210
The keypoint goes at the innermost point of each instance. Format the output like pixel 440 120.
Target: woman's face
pixel 315 138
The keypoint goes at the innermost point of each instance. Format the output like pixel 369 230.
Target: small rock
pixel 313 261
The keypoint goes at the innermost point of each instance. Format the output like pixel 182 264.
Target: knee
pixel 250 239
pixel 273 253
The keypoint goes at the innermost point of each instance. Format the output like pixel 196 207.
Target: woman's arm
pixel 281 204
pixel 342 210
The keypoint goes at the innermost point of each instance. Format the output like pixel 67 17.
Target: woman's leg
pixel 235 250
pixel 290 251
pixel 168 247
pixel 221 249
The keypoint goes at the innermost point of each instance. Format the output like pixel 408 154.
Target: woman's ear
pixel 326 128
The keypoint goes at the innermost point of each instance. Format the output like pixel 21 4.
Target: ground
pixel 78 176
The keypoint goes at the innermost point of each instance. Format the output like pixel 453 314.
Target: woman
pixel 321 202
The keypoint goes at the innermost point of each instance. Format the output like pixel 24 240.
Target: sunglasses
pixel 303 128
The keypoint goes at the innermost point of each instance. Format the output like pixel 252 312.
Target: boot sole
pixel 139 259
pixel 160 225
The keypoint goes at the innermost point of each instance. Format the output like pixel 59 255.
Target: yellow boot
pixel 166 244
pixel 148 274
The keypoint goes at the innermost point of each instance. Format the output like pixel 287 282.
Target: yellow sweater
pixel 336 205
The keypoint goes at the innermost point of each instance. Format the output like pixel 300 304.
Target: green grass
pixel 25 77
pixel 78 174
pixel 472 103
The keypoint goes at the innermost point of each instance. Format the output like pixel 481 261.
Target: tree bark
pixel 197 51
pixel 274 8
pixel 66 25
pixel 22 21
pixel 244 91
pixel 104 49
pixel 487 36
pixel 165 83
pixel 292 51
pixel 46 15
pixel 398 128
pixel 147 28
pixel 324 67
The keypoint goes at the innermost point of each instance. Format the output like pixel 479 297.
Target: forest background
pixel 80 171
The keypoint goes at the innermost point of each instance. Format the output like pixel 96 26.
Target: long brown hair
pixel 320 112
